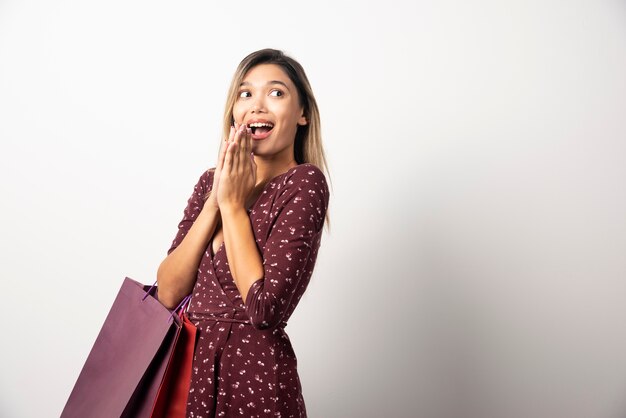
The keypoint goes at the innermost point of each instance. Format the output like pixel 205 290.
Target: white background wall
pixel 475 266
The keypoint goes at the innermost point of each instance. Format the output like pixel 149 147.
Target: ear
pixel 302 120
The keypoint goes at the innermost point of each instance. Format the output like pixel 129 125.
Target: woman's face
pixel 266 93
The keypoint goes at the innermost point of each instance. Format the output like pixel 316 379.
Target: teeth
pixel 259 124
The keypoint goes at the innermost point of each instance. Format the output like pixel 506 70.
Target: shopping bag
pixel 171 401
pixel 127 362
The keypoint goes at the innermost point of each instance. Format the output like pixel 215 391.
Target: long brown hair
pixel 308 147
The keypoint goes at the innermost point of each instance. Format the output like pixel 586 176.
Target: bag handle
pixel 149 290
pixel 183 303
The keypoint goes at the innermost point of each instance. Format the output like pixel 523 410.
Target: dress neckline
pixel 252 207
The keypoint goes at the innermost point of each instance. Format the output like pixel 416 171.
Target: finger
pixel 228 158
pixel 224 145
pixel 248 158
pixel 242 145
pixel 224 148
pixel 249 143
pixel 231 136
pixel 238 141
pixel 245 143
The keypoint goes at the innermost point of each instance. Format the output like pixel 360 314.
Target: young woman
pixel 247 244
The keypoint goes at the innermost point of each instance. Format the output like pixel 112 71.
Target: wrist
pixel 231 210
pixel 211 206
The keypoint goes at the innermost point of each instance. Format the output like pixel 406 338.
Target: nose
pixel 258 105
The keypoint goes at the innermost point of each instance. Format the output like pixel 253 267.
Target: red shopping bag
pixel 171 401
pixel 128 360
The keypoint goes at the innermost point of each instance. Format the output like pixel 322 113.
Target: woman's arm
pixel 267 282
pixel 244 259
pixel 177 274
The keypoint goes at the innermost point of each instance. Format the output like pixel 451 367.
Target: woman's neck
pixel 266 172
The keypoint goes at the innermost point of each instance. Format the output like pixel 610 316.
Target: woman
pixel 247 244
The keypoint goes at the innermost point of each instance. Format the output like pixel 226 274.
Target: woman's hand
pixel 212 199
pixel 238 172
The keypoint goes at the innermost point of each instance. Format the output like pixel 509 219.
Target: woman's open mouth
pixel 261 130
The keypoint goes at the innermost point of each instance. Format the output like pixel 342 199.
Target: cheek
pixel 237 112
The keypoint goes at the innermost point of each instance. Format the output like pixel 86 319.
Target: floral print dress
pixel 244 364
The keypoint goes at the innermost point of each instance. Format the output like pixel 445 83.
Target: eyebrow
pixel 245 83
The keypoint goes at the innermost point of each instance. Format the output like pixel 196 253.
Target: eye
pixel 242 92
pixel 278 91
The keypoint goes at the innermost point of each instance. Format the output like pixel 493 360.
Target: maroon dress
pixel 244 364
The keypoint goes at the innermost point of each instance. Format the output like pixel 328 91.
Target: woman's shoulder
pixel 209 172
pixel 206 178
pixel 305 172
pixel 305 181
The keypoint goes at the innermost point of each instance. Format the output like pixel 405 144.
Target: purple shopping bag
pixel 124 369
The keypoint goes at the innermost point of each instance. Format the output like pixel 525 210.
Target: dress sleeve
pixel 195 203
pixel 294 237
